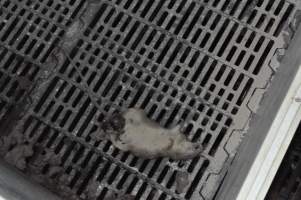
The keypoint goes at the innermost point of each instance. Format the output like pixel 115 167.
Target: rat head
pixel 115 124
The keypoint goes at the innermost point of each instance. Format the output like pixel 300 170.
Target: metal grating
pixel 66 65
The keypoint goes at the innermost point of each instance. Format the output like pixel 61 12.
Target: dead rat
pixel 132 131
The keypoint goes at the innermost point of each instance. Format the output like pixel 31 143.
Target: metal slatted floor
pixel 67 65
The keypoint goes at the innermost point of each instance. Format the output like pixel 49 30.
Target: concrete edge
pixel 274 147
pixel 246 160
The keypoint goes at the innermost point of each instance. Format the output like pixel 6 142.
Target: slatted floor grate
pixel 66 65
